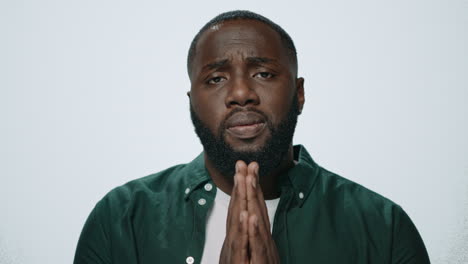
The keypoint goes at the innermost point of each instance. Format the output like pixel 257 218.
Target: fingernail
pixel 256 170
pixel 254 184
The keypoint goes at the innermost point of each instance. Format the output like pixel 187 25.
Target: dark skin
pixel 244 64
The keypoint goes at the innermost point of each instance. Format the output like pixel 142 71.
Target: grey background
pixel 92 95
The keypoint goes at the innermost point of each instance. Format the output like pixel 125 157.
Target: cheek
pixel 209 109
pixel 277 104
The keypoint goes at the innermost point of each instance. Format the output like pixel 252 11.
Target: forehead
pixel 239 39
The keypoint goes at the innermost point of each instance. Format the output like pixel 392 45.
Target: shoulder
pixel 141 191
pixel 334 192
pixel 157 182
pixel 360 217
pixel 362 213
pixel 353 195
pixel 135 203
pixel 357 209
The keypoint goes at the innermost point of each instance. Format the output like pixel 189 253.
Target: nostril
pixel 242 102
pixel 249 101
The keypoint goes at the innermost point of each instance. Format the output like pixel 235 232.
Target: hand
pixel 235 246
pixel 262 247
pixel 248 238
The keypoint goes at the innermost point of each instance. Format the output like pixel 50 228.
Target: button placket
pixel 208 187
pixel 189 260
pixel 301 195
pixel 202 201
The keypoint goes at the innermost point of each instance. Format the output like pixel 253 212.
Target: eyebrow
pixel 260 60
pixel 215 65
pixel 251 60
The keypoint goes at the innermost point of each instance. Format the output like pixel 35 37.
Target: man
pixel 250 197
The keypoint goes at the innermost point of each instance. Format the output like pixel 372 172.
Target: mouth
pixel 246 131
pixel 245 125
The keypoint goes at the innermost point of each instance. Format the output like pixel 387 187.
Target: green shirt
pixel 321 218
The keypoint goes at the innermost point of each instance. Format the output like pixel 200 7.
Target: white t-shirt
pixel 216 225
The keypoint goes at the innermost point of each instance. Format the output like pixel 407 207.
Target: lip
pixel 245 125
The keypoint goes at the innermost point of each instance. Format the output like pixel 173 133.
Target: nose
pixel 241 93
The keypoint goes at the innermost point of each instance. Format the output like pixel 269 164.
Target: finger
pixel 255 202
pixel 262 247
pixel 251 182
pixel 235 247
pixel 241 190
pixel 237 202
pixel 260 197
pixel 260 227
pixel 257 245
pixel 241 250
pixel 233 198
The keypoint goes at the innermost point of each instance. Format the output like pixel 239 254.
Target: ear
pixel 300 93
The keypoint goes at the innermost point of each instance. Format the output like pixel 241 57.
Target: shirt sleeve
pixel 408 246
pixel 93 245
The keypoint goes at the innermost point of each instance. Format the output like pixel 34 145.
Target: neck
pixel 269 183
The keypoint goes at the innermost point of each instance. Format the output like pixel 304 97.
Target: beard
pixel 268 156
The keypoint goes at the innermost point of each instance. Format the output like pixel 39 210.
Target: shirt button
pixel 202 201
pixel 301 195
pixel 189 260
pixel 208 187
pixel 187 190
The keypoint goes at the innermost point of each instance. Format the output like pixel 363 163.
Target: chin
pixel 247 145
pixel 246 148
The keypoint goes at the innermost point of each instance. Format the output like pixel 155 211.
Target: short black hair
pixel 238 15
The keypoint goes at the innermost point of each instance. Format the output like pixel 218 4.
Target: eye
pixel 215 80
pixel 264 75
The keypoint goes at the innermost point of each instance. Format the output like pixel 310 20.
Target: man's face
pixel 244 87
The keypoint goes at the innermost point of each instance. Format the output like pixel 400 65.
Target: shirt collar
pixel 301 177
pixel 195 174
